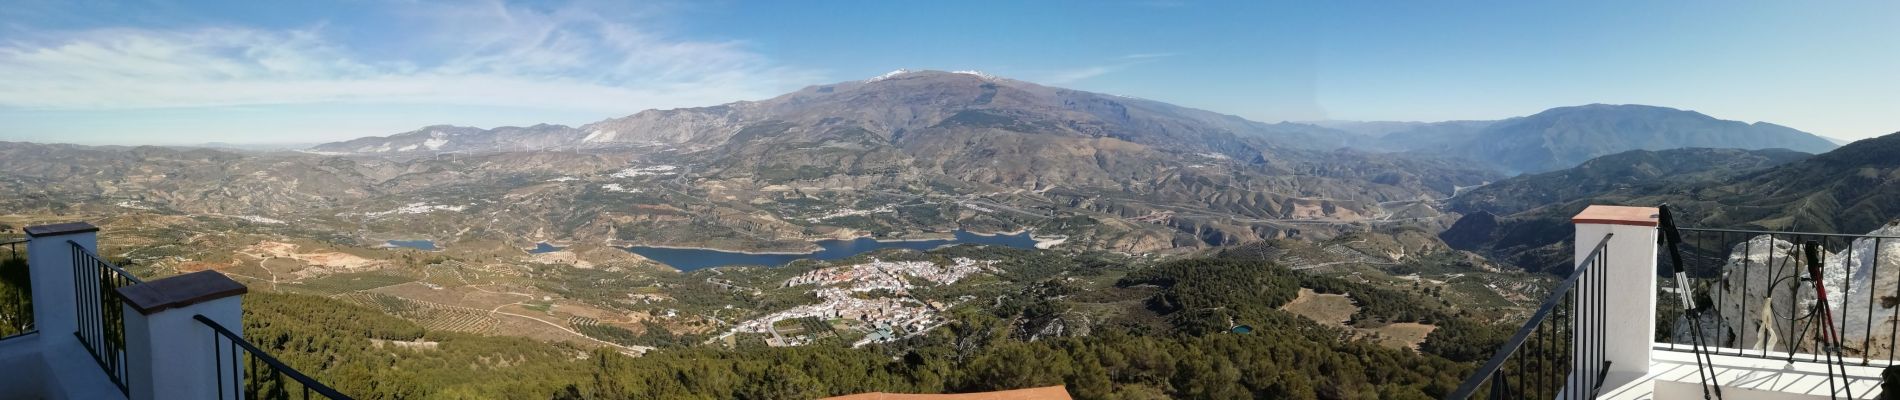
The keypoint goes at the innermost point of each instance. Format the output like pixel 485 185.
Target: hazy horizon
pixel 159 73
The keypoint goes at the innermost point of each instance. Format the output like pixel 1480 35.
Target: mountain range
pixel 1563 137
pixel 902 155
pixel 908 155
pixel 905 103
pixel 1157 227
pixel 1852 189
pixel 1566 136
pixel 888 107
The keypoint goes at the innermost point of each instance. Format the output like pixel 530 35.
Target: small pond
pixel 543 247
pixel 419 244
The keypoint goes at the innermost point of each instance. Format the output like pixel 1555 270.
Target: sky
pixel 174 72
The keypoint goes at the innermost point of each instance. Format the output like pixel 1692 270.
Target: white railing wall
pixel 1629 288
pixel 168 354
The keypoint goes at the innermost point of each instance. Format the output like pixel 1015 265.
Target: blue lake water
pixel 543 247
pixel 692 259
pixel 425 245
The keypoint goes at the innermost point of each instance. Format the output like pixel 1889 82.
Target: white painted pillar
pixel 1628 287
pixel 49 259
pixel 171 355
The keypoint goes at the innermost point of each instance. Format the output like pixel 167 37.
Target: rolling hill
pixel 1566 136
pixel 1852 189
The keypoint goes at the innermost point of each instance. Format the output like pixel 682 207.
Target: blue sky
pixel 166 72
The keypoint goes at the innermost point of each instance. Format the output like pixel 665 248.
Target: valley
pixel 628 233
pixel 961 215
pixel 1041 200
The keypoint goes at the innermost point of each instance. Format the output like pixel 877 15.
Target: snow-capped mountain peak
pixel 979 74
pixel 888 75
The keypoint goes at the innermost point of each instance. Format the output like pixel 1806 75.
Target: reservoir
pixel 424 245
pixel 692 259
pixel 543 247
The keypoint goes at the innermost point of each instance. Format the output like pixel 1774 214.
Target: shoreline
pixel 1010 233
pixel 1040 243
pixel 756 253
pixel 952 237
pixel 391 245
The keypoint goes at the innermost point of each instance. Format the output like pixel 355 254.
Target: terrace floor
pixel 40 367
pixel 1673 376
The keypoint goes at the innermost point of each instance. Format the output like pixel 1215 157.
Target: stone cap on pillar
pixel 1617 215
pixel 180 291
pixel 60 229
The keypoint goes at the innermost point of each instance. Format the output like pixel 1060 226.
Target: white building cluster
pixel 839 288
pixel 655 170
pixel 879 274
pixel 840 304
pixel 852 212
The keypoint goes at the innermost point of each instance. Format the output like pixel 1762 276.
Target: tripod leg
pixel 1715 380
pixel 1840 357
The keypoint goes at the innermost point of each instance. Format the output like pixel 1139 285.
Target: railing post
pixel 1627 290
pixel 169 355
pixel 49 261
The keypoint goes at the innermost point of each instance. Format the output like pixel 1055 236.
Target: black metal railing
pixel 16 291
pixel 1760 300
pixel 101 325
pixel 13 248
pixel 256 374
pixel 1559 351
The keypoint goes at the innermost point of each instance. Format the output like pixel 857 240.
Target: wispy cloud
pixel 1078 74
pixel 1148 56
pixel 1119 63
pixel 492 55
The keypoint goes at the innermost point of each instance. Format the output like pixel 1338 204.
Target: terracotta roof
pixel 1616 215
pixel 1041 393
pixel 179 291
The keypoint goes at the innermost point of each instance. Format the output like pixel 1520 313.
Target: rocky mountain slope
pixel 1155 175
pixel 458 139
pixel 1637 171
pixel 895 108
pixel 891 106
pixel 1566 136
pixel 1853 189
pixel 1563 137
pixel 908 155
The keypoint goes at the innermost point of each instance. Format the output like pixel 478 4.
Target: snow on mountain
pixel 976 73
pixel 888 75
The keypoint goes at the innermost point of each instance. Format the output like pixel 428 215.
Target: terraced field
pixel 594 329
pixel 348 282
pixel 430 315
